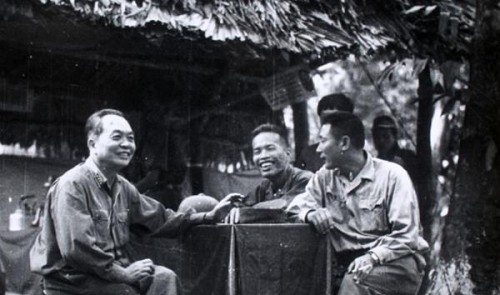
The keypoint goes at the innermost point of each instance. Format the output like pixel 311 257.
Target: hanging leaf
pixel 430 9
pixel 414 9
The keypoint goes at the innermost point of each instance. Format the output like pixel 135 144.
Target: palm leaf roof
pixel 297 26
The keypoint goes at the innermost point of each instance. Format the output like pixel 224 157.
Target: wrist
pixel 208 217
pixel 375 259
pixel 306 217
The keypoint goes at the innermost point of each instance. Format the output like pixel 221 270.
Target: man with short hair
pixel 368 209
pixel 308 158
pixel 88 215
pixel 385 139
pixel 282 182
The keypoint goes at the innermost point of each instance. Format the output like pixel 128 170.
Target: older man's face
pixel 270 154
pixel 114 147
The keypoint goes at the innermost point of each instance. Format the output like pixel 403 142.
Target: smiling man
pixel 282 182
pixel 368 209
pixel 88 214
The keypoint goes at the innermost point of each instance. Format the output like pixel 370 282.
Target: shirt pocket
pixel 373 217
pixel 101 222
pixel 122 227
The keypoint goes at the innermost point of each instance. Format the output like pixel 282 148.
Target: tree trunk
pixel 425 183
pixel 470 262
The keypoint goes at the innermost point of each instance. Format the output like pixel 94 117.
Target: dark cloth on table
pixel 15 247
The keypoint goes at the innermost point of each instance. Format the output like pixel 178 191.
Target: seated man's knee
pixel 163 273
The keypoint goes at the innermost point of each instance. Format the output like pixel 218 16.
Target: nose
pixel 128 144
pixel 264 154
pixel 260 156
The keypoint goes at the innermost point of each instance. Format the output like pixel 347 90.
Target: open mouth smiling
pixel 266 165
pixel 124 155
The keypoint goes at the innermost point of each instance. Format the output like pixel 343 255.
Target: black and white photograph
pixel 249 147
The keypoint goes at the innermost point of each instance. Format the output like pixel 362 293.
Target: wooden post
pixel 301 126
pixel 426 180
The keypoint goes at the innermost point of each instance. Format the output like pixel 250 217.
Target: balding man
pixel 88 215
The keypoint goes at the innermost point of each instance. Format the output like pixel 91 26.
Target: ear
pixel 91 142
pixel 345 143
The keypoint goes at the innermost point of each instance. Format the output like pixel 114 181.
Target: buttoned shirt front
pixel 87 224
pixel 376 211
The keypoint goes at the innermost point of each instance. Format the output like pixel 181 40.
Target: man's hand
pixel 224 207
pixel 233 216
pixel 139 270
pixel 361 267
pixel 321 219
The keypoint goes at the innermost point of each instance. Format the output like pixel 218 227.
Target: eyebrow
pixel 122 132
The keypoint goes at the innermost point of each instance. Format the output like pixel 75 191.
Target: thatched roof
pixel 60 59
pixel 296 26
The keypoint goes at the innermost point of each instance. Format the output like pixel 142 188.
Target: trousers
pixel 402 276
pixel 162 282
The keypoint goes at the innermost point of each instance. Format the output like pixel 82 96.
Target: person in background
pixel 308 158
pixel 368 209
pixel 89 213
pixel 385 139
pixel 159 166
pixel 282 182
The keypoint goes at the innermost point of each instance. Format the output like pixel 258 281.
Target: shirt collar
pixel 96 173
pixel 368 170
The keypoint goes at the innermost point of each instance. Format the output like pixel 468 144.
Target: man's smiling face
pixel 114 147
pixel 270 154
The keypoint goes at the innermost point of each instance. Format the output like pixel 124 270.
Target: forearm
pixel 202 218
pixel 116 273
pixel 389 249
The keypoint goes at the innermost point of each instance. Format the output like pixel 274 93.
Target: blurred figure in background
pixel 159 167
pixel 385 139
pixel 309 159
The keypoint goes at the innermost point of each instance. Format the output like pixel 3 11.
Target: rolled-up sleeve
pixel 155 218
pixel 307 201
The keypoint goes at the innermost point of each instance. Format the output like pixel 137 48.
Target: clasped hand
pixel 361 267
pixel 322 220
pixel 139 270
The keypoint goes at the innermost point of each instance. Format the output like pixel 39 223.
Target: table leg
pixel 328 287
pixel 231 277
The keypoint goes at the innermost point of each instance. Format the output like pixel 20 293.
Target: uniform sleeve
pixel 153 218
pixel 307 201
pixel 404 220
pixel 76 232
